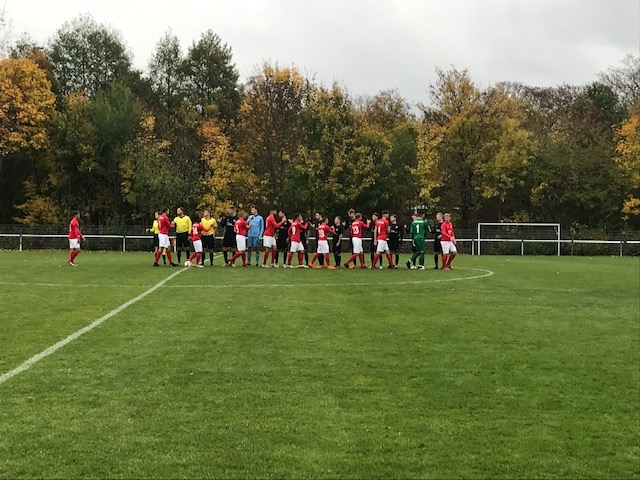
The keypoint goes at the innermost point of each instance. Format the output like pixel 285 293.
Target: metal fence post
pixel 124 243
pixel 20 241
pixel 521 247
pixel 621 242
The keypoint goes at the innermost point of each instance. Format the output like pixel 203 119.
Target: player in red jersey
pixel 197 229
pixel 296 244
pixel 323 230
pixel 269 236
pixel 75 237
pixel 164 225
pixel 240 227
pixel 356 228
pixel 381 231
pixel 448 242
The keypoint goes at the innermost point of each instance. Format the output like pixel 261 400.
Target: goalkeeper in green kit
pixel 419 228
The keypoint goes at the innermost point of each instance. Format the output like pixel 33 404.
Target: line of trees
pixel 80 128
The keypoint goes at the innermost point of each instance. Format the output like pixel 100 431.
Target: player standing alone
pixel 75 237
pixel 449 250
pixel 164 225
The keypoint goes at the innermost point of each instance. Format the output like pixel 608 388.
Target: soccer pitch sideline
pixel 506 367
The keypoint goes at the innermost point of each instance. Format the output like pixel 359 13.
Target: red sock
pixel 289 257
pixel 300 258
pixel 244 258
pixel 451 257
pixel 445 260
pixel 352 258
pixel 197 257
pixel 362 259
pixel 327 262
pixel 235 257
pixel 376 257
pixel 193 255
pixel 158 255
pixel 315 257
pixel 266 256
pixel 168 252
pixel 273 256
pixel 390 259
pixel 73 255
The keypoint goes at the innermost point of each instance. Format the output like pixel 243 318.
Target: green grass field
pixel 531 372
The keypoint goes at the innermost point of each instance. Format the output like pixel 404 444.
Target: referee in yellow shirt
pixel 208 238
pixel 183 228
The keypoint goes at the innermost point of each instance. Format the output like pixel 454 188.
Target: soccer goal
pixel 510 238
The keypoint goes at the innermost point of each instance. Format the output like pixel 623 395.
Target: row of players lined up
pixel 292 237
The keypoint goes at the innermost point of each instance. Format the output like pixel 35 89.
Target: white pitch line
pixel 487 273
pixel 57 346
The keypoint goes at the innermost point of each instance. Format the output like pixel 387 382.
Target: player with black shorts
pixel 337 241
pixel 437 235
pixel 395 236
pixel 282 238
pixel 229 240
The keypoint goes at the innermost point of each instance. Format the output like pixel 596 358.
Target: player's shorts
pixel 437 246
pixel 182 240
pixel 229 240
pixel 253 242
pixel 357 245
pixel 420 244
pixel 156 242
pixel 296 247
pixel 209 242
pixel 197 246
pixel 337 248
pixel 394 244
pixel 74 244
pixel 382 246
pixel 323 246
pixel 163 240
pixel 448 247
pixel 241 243
pixel 268 242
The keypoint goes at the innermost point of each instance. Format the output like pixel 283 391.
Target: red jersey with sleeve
pixel 295 229
pixel 324 230
pixel 164 224
pixel 447 232
pixel 196 231
pixel 356 228
pixel 271 226
pixel 240 227
pixel 382 227
pixel 74 229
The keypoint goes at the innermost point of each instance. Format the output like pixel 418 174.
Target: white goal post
pixel 513 233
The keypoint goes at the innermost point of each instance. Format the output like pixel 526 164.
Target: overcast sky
pixel 373 45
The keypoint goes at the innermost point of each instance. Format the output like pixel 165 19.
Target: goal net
pixel 518 238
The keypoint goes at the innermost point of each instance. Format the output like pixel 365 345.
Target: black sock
pixel 210 258
pixel 225 255
pixel 164 259
pixel 277 256
pixel 435 260
pixel 321 259
pixel 179 255
pixel 306 257
pixel 397 258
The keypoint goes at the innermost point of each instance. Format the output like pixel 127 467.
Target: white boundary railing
pixel 556 227
pixel 475 242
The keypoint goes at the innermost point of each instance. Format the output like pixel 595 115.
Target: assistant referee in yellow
pixel 208 242
pixel 183 228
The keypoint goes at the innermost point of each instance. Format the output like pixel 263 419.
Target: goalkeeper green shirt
pixel 419 228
